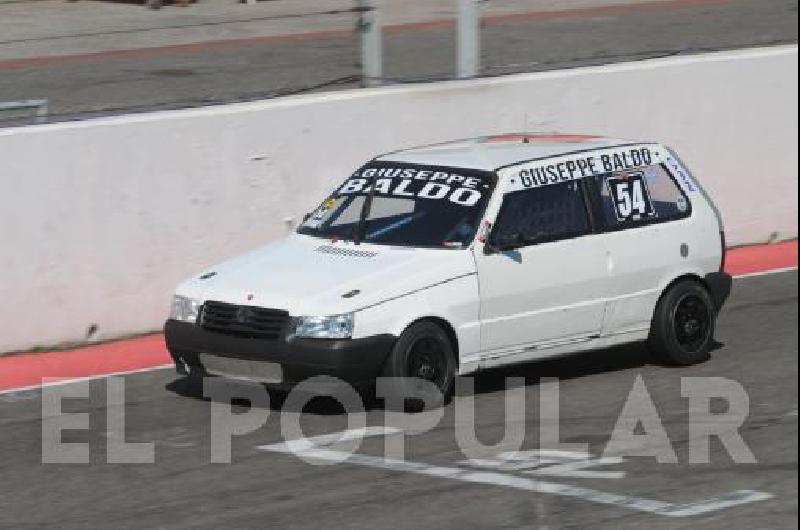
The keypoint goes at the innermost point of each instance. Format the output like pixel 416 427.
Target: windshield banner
pixel 417 182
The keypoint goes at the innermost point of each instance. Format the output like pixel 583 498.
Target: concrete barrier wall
pixel 100 219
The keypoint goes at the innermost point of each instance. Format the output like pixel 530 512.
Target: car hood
pixel 310 276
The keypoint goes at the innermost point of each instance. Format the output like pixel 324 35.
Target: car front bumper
pixel 281 363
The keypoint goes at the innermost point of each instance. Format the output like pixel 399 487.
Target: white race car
pixel 450 258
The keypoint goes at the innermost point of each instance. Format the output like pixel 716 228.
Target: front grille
pixel 243 321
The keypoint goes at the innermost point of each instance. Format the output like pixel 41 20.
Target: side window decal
pixel 631 197
pixel 646 195
pixel 681 174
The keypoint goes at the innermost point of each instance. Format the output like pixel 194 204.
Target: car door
pixel 645 214
pixel 550 289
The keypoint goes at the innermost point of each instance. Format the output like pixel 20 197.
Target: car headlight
pixel 333 327
pixel 184 308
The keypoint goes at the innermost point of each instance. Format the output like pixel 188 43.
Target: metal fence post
pixel 468 47
pixel 369 26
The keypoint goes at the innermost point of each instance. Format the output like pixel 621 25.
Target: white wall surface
pixel 100 219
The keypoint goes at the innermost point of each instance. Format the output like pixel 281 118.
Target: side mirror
pixel 504 243
pixel 306 216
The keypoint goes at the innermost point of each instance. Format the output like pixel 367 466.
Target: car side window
pixel 546 213
pixel 641 196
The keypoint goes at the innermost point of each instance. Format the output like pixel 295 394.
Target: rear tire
pixel 682 331
pixel 424 352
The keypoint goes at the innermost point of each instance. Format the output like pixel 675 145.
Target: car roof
pixel 490 153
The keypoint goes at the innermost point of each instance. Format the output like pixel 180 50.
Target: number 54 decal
pixel 631 197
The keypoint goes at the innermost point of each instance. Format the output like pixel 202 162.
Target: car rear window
pixel 640 196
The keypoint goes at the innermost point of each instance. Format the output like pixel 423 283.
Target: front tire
pixel 424 352
pixel 682 331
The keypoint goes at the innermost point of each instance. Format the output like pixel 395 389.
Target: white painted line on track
pixel 550 463
pixel 656 507
pixel 87 378
pixel 324 440
pixel 765 273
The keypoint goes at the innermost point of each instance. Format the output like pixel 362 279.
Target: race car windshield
pixel 406 205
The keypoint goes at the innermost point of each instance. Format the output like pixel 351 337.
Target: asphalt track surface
pixel 757 335
pixel 213 72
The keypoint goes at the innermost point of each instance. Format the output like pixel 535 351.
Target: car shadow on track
pixel 317 405
pixel 573 366
pixel 565 367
